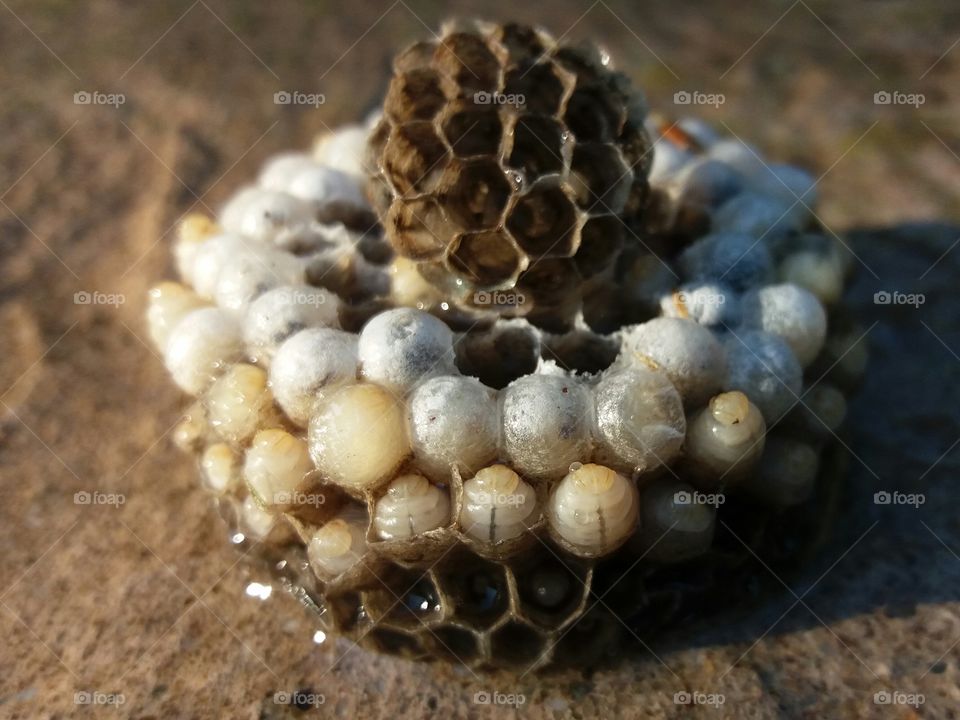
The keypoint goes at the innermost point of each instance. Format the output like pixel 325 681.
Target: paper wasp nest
pixel 437 478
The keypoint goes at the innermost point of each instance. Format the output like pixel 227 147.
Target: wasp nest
pixel 473 494
pixel 505 164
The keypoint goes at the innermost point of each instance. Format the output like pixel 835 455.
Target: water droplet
pixel 319 637
pixel 259 591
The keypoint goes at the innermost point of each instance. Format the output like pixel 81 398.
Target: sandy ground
pixel 146 600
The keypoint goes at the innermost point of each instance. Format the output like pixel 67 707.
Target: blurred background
pixel 118 118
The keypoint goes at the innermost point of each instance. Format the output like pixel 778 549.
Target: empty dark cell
pixel 600 178
pixel 521 41
pixel 486 259
pixel 538 88
pixel 395 642
pixel 593 114
pixel 551 280
pixel 422 599
pixel 516 644
pixel 474 132
pixel 416 56
pixel 414 158
pixel 468 62
pixel 477 194
pixel 544 222
pixel 600 242
pixel 415 95
pixel 537 146
pixel 419 228
pixel 460 645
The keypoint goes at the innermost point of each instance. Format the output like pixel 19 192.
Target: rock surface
pixel 145 599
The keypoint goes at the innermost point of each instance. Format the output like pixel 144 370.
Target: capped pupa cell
pixel 594 114
pixel 518 644
pixel 600 177
pixel 538 87
pixel 420 228
pixel 414 158
pixel 487 258
pixel 544 222
pixel 551 591
pixel 455 643
pixel 416 94
pixel 468 61
pixel 475 193
pixel 473 130
pixel 601 240
pixel 477 588
pixel 538 145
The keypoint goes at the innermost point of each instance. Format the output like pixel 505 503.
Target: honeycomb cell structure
pixel 506 161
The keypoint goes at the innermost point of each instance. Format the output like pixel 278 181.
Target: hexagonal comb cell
pixel 455 643
pixel 593 114
pixel 591 637
pixel 538 145
pixel 517 644
pixel 601 240
pixel 404 598
pixel 600 178
pixel 522 41
pixel 420 228
pixel 468 61
pixel 417 94
pixel 414 158
pixel 500 355
pixel 551 592
pixel 476 193
pixel 473 131
pixel 541 85
pixel 544 222
pixel 418 55
pixel 477 588
pixel 486 259
pixel 551 281
pixel 395 642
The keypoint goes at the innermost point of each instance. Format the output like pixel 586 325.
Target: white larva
pixel 764 368
pixel 326 186
pixel 239 402
pixel 358 436
pixel 277 467
pixel 210 257
pixel 545 424
pixel 201 346
pixel 688 353
pixel 308 361
pixel 725 440
pixel 264 526
pixel 338 545
pixel 169 303
pixel 593 510
pixel 399 348
pixel 219 468
pixel 790 312
pixel 284 311
pixel 497 505
pixel 639 420
pixel 411 506
pixel 453 421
